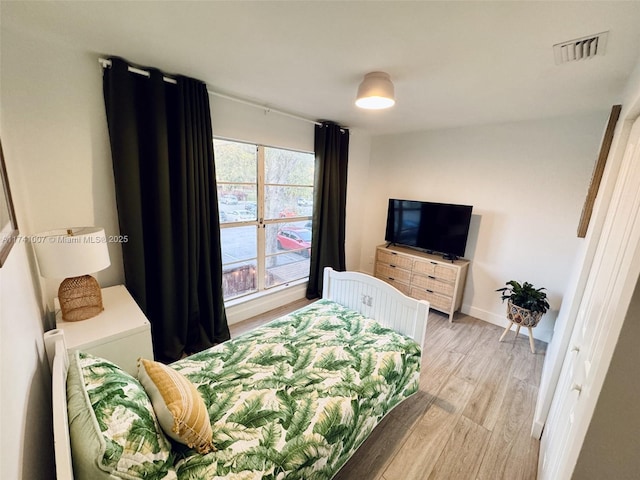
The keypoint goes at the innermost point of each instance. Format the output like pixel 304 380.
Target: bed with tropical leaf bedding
pixel 293 399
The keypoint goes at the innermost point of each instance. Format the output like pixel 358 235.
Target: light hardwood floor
pixel 471 418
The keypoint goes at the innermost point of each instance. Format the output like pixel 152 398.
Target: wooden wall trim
pixel 587 209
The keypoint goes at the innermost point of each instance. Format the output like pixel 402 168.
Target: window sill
pixel 243 308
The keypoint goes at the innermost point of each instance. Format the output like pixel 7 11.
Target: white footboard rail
pixel 59 363
pixel 378 300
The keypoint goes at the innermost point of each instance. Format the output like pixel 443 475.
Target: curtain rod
pixel 105 63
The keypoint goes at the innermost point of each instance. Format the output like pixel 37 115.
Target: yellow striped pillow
pixel 179 407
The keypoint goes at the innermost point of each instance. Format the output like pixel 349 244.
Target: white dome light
pixel 376 91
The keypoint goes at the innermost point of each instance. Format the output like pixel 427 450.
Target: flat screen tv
pixel 440 228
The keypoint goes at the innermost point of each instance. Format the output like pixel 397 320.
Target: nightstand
pixel 121 333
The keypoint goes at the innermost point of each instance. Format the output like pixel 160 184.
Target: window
pixel 265 198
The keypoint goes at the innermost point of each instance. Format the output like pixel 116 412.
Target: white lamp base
pixel 80 298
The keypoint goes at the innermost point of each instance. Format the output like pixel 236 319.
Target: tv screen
pixel 435 227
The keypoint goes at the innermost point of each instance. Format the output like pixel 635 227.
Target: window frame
pixel 261 223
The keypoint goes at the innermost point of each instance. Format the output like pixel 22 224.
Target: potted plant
pixel 526 303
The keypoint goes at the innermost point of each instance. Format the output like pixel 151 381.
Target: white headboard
pixel 378 300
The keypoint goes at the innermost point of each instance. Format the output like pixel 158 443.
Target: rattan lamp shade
pixel 73 254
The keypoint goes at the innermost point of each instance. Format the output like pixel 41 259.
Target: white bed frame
pixel 59 363
pixel 363 293
pixel 376 299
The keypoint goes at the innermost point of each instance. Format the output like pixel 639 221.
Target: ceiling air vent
pixel 580 48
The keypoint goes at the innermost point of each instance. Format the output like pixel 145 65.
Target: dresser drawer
pixel 395 259
pixel 403 287
pixel 423 276
pixel 431 283
pixel 435 269
pixel 388 272
pixel 437 301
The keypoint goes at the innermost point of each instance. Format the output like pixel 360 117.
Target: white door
pixel 615 270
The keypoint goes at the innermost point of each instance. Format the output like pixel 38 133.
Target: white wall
pixel 357 196
pixel 57 173
pixel 25 382
pixel 237 121
pixel 52 97
pixel 25 419
pixel 527 182
pixel 54 119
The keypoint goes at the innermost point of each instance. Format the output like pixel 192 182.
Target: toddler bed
pixel 293 399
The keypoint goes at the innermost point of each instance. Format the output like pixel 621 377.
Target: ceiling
pixel 452 63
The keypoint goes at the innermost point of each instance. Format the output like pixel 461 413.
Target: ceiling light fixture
pixel 376 92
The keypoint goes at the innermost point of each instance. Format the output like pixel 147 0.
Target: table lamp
pixel 73 254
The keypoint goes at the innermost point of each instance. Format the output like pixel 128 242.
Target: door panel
pixel 606 298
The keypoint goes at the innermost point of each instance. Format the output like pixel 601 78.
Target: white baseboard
pixel 501 321
pixel 489 317
pixel 536 429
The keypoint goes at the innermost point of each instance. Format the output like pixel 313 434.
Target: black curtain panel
pixel 329 205
pixel 162 150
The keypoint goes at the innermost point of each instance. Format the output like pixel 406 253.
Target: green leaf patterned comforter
pixel 295 398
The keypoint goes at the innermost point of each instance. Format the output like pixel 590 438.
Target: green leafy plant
pixel 525 296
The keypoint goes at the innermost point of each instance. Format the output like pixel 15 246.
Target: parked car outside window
pixel 287 213
pixel 295 238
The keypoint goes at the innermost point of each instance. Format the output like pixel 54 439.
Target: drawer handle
pixel 392 266
pixel 431 277
pixel 430 291
pixel 391 278
pixel 433 263
pixel 577 387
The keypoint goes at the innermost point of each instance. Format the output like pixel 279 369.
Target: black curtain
pixel 162 149
pixel 329 205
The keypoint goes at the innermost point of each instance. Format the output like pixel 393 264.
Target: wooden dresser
pixel 423 276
